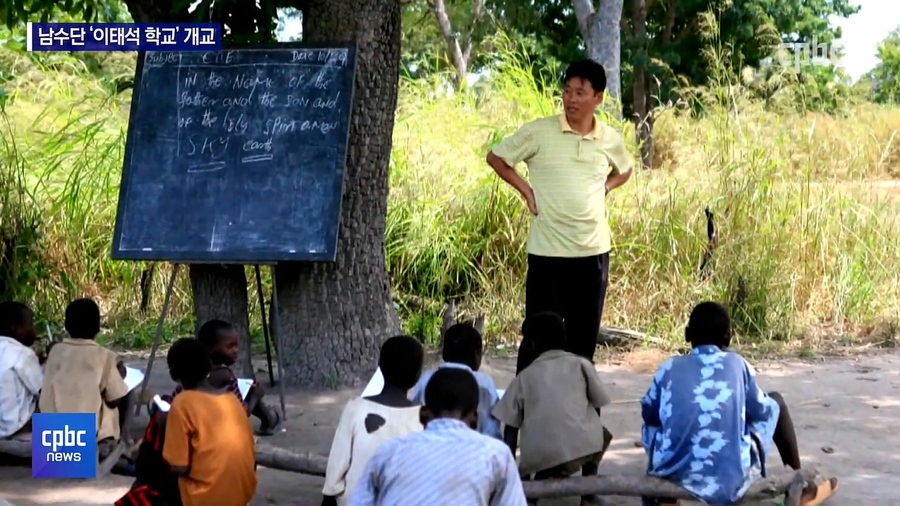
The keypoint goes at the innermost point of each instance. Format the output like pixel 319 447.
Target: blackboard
pixel 236 156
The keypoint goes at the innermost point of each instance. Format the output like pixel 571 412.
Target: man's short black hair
pixel 587 70
pixel 188 362
pixel 709 324
pixel 452 390
pixel 211 332
pixel 83 319
pixel 401 361
pixel 12 316
pixel 546 330
pixel 462 345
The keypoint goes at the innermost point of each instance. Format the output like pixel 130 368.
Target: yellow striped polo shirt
pixel 568 173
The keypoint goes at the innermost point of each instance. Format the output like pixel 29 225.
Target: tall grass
pixel 805 242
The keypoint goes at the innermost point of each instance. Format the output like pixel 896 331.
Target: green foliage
pixel 886 75
pixel 547 33
pixel 424 48
pixel 16 13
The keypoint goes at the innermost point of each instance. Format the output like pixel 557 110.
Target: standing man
pixel 573 161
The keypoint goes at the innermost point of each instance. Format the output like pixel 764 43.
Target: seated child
pixel 707 425
pixel 208 440
pixel 222 342
pixel 368 422
pixel 463 348
pixel 155 484
pixel 447 464
pixel 21 376
pixel 556 402
pixel 81 376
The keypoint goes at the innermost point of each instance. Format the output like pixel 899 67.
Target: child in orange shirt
pixel 209 440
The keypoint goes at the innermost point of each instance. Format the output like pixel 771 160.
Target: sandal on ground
pixel 817 494
pixel 267 430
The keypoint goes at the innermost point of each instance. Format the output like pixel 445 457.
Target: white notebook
pixel 133 377
pixel 375 386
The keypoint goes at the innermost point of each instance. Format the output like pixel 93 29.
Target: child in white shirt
pixel 367 422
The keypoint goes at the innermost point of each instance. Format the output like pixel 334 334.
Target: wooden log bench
pixel 313 464
pixel 774 486
pixel 19 446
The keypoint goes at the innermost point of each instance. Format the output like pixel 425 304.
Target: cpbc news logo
pixel 64 445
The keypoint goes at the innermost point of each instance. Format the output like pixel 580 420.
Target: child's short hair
pixel 462 345
pixel 188 362
pixel 400 361
pixel 709 324
pixel 211 331
pixel 12 316
pixel 452 390
pixel 546 330
pixel 83 319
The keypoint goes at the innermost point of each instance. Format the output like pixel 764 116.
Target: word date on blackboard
pixel 236 155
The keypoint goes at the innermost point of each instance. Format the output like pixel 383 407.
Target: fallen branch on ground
pixel 622 338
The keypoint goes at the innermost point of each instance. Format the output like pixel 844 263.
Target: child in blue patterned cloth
pixel 463 349
pixel 707 425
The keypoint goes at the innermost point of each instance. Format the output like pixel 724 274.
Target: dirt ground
pixel 845 410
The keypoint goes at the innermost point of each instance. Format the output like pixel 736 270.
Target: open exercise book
pixel 243 386
pixel 376 384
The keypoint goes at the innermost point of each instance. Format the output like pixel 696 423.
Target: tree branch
pixel 468 43
pixel 584 13
pixel 669 23
pixel 457 57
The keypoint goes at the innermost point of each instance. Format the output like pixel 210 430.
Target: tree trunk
pixel 640 88
pixel 333 316
pixel 220 293
pixel 459 48
pixel 601 31
pixel 458 57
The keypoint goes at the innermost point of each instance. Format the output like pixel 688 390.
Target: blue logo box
pixel 64 445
